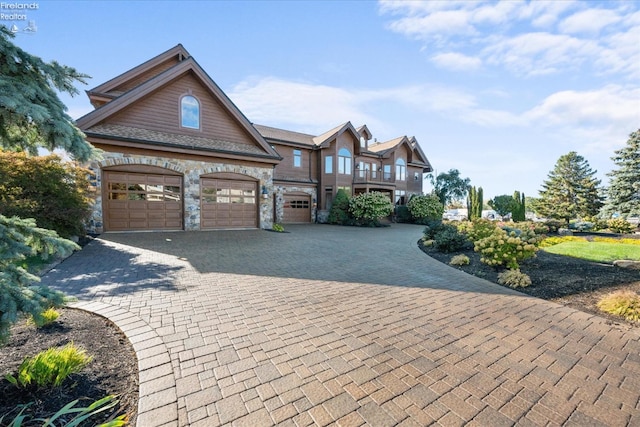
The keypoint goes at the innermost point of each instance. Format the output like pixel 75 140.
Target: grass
pixel 596 251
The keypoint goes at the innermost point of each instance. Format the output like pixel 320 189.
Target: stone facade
pixel 191 170
pixel 281 190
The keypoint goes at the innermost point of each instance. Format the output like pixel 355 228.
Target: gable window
pixel 401 170
pixel 189 112
pixel 328 164
pixel 344 161
pixel 297 158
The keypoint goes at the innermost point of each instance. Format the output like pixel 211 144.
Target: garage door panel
pixel 138 201
pixel 297 208
pixel 228 203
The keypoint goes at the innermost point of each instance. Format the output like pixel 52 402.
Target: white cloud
pixel 272 101
pixel 589 21
pixel 507 34
pixel 456 61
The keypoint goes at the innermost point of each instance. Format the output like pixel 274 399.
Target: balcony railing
pixel 362 176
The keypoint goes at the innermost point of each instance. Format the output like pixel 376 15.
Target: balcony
pixel 366 176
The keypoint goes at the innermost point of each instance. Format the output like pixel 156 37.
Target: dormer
pixel 365 136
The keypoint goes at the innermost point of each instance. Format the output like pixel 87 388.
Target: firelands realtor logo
pixel 18 16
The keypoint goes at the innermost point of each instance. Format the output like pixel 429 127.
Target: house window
pixel 400 197
pixel 386 172
pixel 344 161
pixel 401 170
pixel 189 112
pixel 328 164
pixel 297 158
pixel 363 142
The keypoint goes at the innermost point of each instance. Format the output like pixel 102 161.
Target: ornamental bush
pixel 339 213
pixel 460 259
pixel 514 279
pixel 620 225
pixel 622 303
pixel 367 208
pixel 449 239
pixel 47 189
pixel 425 208
pixel 508 249
pixel 480 228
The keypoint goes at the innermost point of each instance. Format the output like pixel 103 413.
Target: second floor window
pixel 189 112
pixel 401 170
pixel 344 161
pixel 328 164
pixel 297 158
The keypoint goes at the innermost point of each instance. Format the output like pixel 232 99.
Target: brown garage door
pixel 297 208
pixel 136 201
pixel 228 203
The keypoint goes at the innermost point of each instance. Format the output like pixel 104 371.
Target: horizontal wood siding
pixel 285 169
pixel 160 111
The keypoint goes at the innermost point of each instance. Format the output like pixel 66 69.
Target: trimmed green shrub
pixel 54 193
pixel 45 318
pixel 449 239
pixel 367 208
pixel 622 303
pixel 277 227
pixel 339 213
pixel 502 248
pixel 514 279
pixel 432 228
pixel 402 214
pixel 50 367
pixel 554 224
pixel 620 225
pixel 424 209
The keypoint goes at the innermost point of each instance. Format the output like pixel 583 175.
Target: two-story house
pixel 179 155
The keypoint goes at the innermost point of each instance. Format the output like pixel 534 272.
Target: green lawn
pixel 596 251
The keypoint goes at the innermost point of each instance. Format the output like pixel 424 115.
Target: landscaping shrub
pixel 432 228
pixel 502 248
pixel 553 225
pixel 424 209
pixel 339 213
pixel 622 303
pixel 367 208
pixel 45 318
pixel 449 239
pixel 402 214
pixel 620 225
pixel 50 367
pixel 514 279
pixel 459 260
pixel 480 229
pixel 618 241
pixel 47 189
pixel 80 415
pixel 277 227
pixel 556 240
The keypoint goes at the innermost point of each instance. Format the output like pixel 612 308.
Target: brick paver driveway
pixel 344 326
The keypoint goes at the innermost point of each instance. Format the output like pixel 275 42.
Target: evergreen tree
pixel 339 212
pixel 31 113
pixel 518 211
pixel 623 194
pixel 32 116
pixel 572 191
pixel 474 203
pixel 503 204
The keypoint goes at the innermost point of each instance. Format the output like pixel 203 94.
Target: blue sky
pixel 498 90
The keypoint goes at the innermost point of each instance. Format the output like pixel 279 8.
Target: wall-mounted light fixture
pixel 265 192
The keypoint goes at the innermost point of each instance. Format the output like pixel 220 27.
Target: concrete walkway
pixel 344 326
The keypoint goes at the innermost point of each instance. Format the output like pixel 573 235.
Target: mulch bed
pixel 113 370
pixel 574 282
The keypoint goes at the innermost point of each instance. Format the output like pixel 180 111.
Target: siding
pixel 285 169
pixel 160 111
pixel 130 84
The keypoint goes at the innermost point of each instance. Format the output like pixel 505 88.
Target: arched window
pixel 344 161
pixel 189 112
pixel 401 170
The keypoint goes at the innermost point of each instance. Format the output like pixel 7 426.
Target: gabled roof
pixel 188 65
pixel 178 52
pixel 417 149
pixel 364 131
pixel 328 136
pixel 385 147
